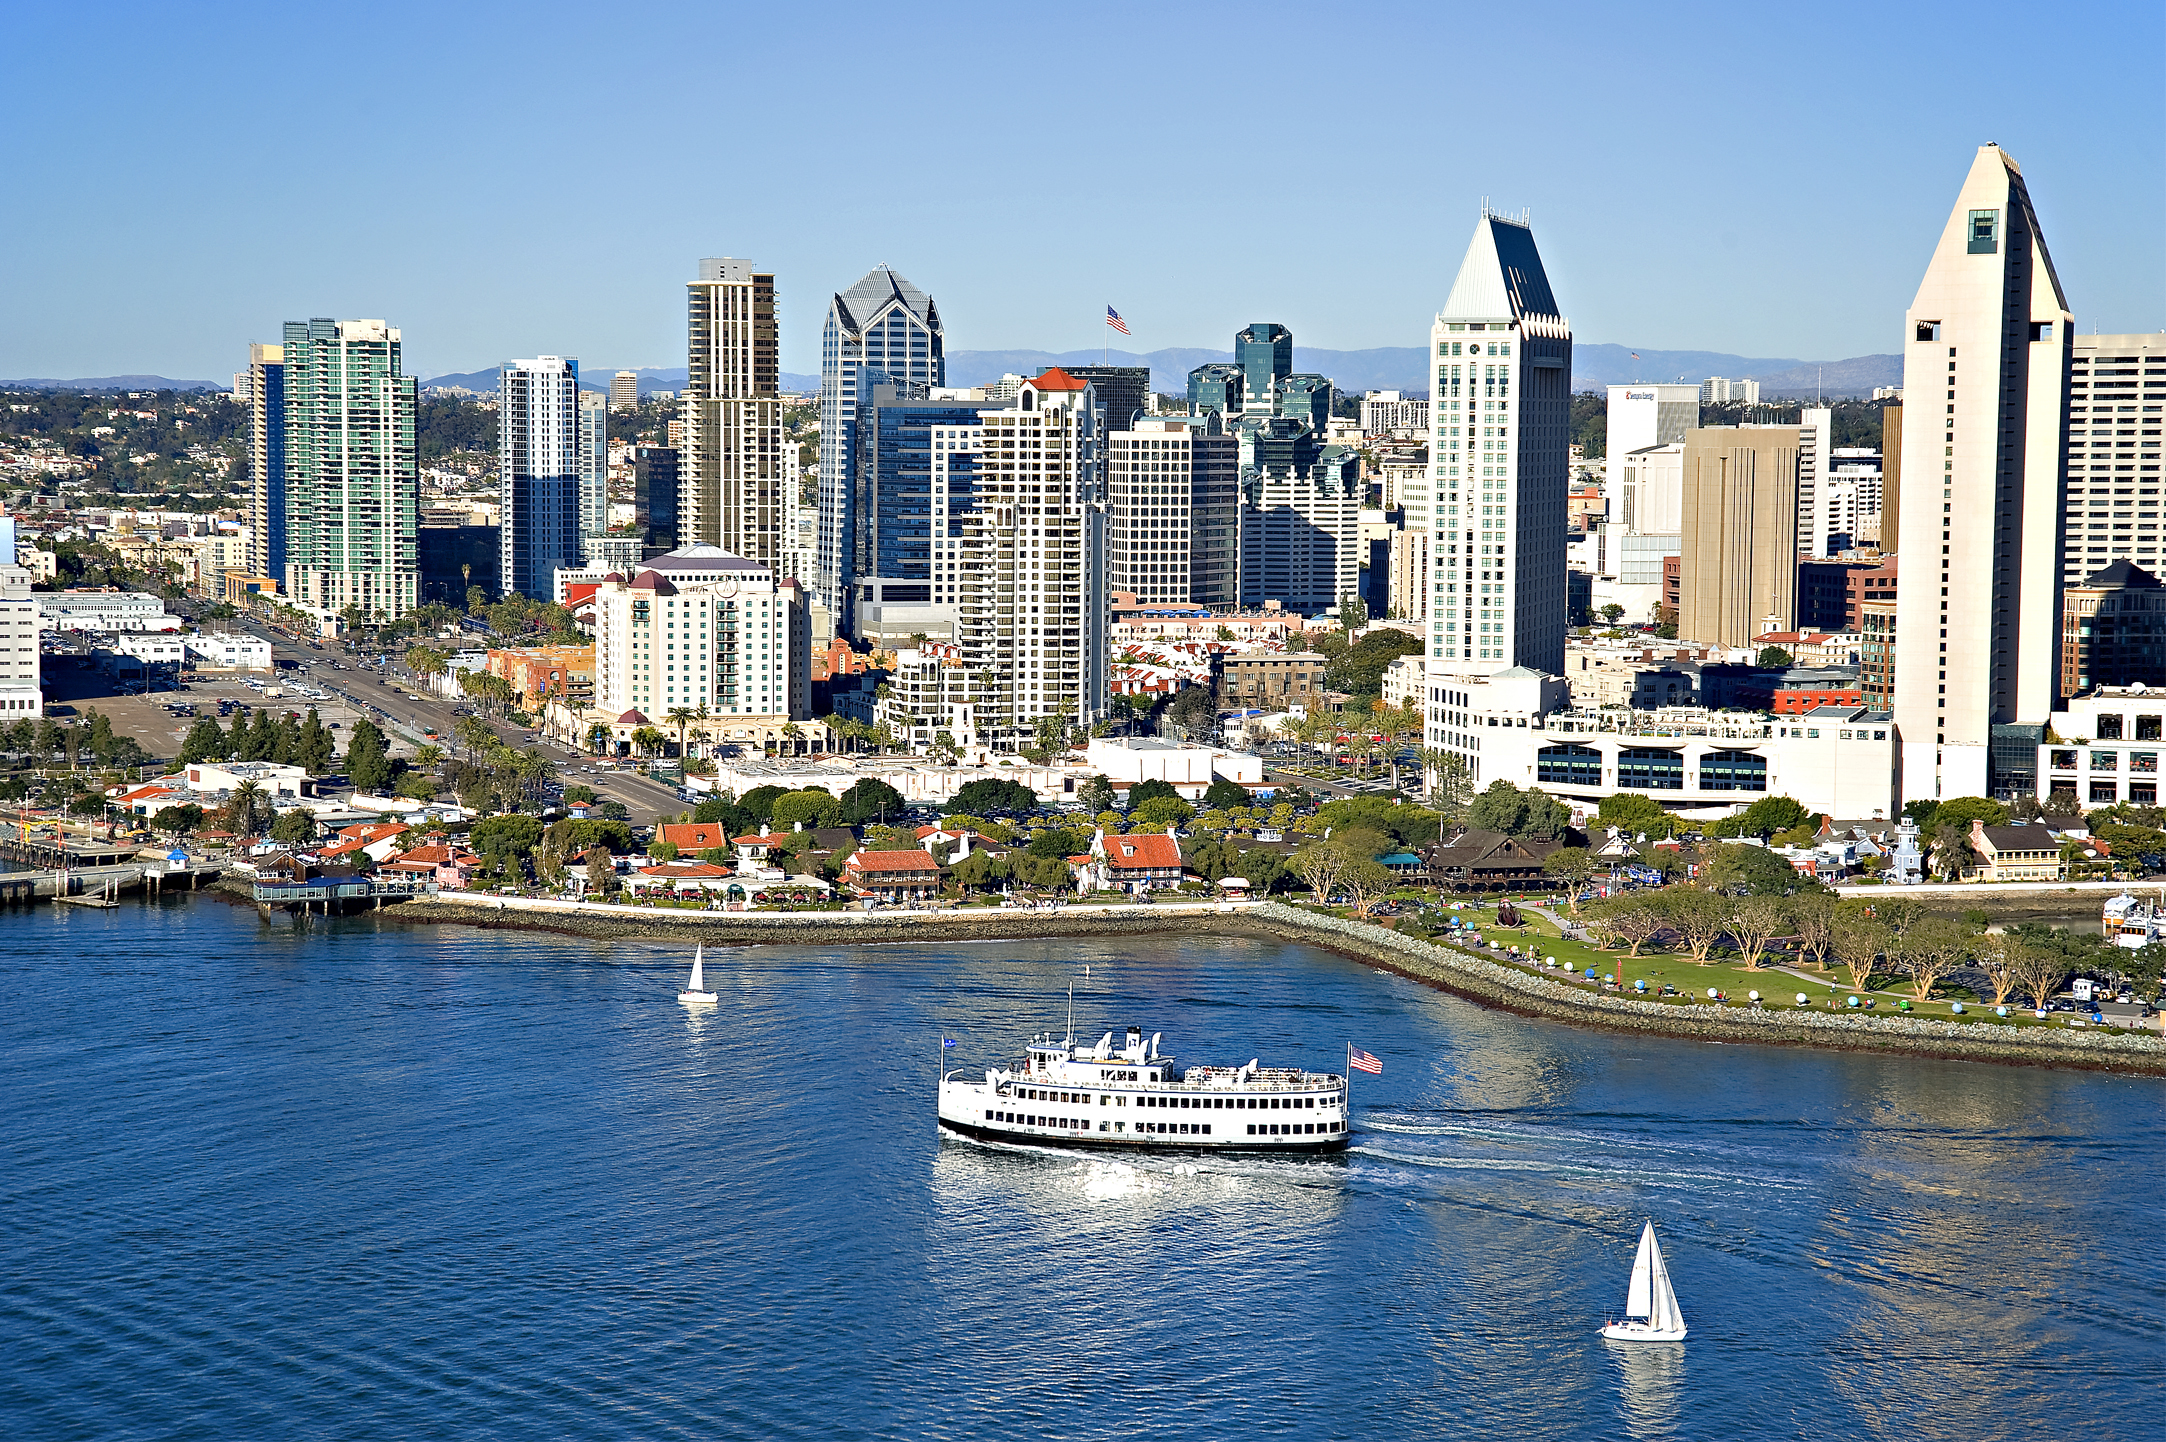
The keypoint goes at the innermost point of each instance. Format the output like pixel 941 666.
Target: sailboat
pixel 1651 1313
pixel 695 992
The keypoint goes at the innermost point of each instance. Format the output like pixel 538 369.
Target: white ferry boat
pixel 1133 1098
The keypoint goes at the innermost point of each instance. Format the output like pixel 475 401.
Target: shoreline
pixel 1446 968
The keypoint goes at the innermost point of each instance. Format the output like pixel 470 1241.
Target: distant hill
pixel 1594 366
pixel 115 383
pixel 597 378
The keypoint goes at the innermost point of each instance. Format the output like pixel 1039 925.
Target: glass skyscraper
pixel 538 428
pixel 353 489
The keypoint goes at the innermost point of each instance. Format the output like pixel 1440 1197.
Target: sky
pixel 511 180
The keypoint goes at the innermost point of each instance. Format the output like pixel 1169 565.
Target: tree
pixel 871 799
pixel 294 827
pixel 1570 866
pixel 2039 971
pixel 1772 658
pixel 1353 613
pixel 1444 773
pixel 759 802
pixel 1319 865
pixel 1699 919
pixel 1996 954
pixel 1635 815
pixel 505 840
pixel 1771 814
pixel 1859 941
pixel 1096 794
pixel 1613 613
pixel 992 795
pixel 205 742
pixel 1949 849
pixel 1755 922
pixel 178 819
pixel 1930 950
pixel 1359 671
pixel 812 806
pixel 1736 869
pixel 1193 711
pixel 1365 883
pixel 247 811
pixel 646 741
pixel 1812 917
pixel 1962 810
pixel 1159 812
pixel 1528 814
pixel 1144 791
pixel 1631 920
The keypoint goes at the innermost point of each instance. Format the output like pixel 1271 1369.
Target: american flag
pixel 1113 318
pixel 1360 1060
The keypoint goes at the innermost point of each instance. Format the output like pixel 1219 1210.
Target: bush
pixel 993 794
pixel 1144 791
pixel 813 807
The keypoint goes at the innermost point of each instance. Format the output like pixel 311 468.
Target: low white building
pixel 221 779
pixel 153 648
pixel 1189 769
pixel 103 610
pixel 1404 680
pixel 2106 747
pixel 219 650
pixel 1520 726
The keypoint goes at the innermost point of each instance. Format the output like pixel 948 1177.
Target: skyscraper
pixel 266 395
pixel 1173 511
pixel 1124 392
pixel 1978 601
pixel 593 462
pixel 353 489
pixel 2113 461
pixel 1265 353
pixel 538 434
pixel 1503 360
pixel 624 391
pixel 1739 541
pixel 889 324
pixel 731 471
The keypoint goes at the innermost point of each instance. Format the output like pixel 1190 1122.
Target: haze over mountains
pixel 1400 368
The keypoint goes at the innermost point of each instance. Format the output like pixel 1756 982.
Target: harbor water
pixel 364 1179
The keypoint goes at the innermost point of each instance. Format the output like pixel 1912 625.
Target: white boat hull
pixel 697 998
pixel 1205 1124
pixel 1642 1332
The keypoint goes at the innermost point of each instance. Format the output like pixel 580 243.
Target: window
pixel 1733 771
pixel 2109 728
pixel 1649 768
pixel 2147 728
pixel 2105 760
pixel 2103 791
pixel 1568 766
pixel 2064 760
pixel 1984 232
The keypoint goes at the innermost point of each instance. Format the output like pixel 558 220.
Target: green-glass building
pixel 353 487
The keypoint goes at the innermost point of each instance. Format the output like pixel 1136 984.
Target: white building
pixel 539 458
pixel 700 628
pixel 2113 454
pixel 1988 339
pixel 1518 726
pixel 593 463
pixel 1405 681
pixel 1716 391
pixel 1173 513
pixel 1301 535
pixel 1640 416
pixel 1503 358
pixel 729 470
pixel 1383 412
pixel 103 610
pixel 1816 503
pixel 152 648
pixel 1625 568
pixel 1649 489
pixel 220 779
pixel 20 690
pixel 228 651
pixel 1189 769
pixel 2108 747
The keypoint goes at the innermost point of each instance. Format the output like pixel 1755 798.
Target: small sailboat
pixel 1651 1313
pixel 695 992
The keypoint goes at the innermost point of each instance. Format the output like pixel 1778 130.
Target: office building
pixel 1815 434
pixel 2116 399
pixel 1215 387
pixel 1384 412
pixel 730 470
pixel 455 559
pixel 539 433
pixel 892 497
pixel 1985 356
pixel 1124 392
pixel 593 463
pixel 654 496
pixel 1876 654
pixel 22 696
pixel 1647 487
pixel 1264 352
pixel 2113 631
pixel 1891 473
pixel 353 489
pixel 1738 543
pixel 264 386
pixel 624 391
pixel 1300 516
pixel 887 323
pixel 1639 416
pixel 1503 361
pixel 1716 391
pixel 700 631
pixel 1018 528
pixel 1173 511
pixel 1409 586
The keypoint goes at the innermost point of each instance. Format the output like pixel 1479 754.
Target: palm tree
pixel 682 716
pixel 796 734
pixel 597 736
pixel 646 741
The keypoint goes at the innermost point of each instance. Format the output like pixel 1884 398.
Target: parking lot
pixel 72 687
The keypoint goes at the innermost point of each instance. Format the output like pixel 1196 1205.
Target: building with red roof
pixel 1136 863
pixel 892 875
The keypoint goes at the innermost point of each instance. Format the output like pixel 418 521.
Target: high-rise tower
pixel 539 461
pixel 353 489
pixel 593 462
pixel 1500 416
pixel 1977 611
pixel 882 323
pixel 730 477
pixel 266 393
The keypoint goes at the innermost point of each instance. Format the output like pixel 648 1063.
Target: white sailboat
pixel 695 992
pixel 1651 1312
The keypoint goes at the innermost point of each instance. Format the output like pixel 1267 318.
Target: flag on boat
pixel 946 1042
pixel 1360 1060
pixel 1113 318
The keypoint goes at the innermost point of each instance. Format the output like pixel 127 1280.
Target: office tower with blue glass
pixel 538 460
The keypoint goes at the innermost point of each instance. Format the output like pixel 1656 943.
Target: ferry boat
pixel 1135 1098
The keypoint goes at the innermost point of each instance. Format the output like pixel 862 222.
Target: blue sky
pixel 512 180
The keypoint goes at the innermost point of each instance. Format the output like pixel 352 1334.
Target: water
pixel 370 1180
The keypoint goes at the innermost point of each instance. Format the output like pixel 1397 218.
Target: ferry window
pixel 1207 1129
pixel 1252 1129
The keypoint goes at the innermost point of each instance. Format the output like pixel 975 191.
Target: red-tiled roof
pixel 696 835
pixel 632 718
pixel 893 861
pixel 686 870
pixel 369 831
pixel 1057 379
pixel 767 839
pixel 1145 849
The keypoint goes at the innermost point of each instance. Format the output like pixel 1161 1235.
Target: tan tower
pixel 730 478
pixel 1985 383
pixel 1738 547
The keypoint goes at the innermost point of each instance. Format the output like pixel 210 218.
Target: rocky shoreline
pixel 1448 968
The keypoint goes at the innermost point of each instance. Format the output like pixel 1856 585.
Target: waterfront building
pixel 593 463
pixel 21 690
pixel 730 471
pixel 265 394
pixel 2113 630
pixel 539 455
pixel 886 323
pixel 624 391
pixel 1502 355
pixel 1978 600
pixel 1738 546
pixel 702 632
pixel 2105 747
pixel 2116 399
pixel 1173 511
pixel 353 487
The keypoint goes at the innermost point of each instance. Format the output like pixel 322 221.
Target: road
pixel 406 711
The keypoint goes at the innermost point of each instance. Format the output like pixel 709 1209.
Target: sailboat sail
pixel 1666 1314
pixel 1639 1300
pixel 698 955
